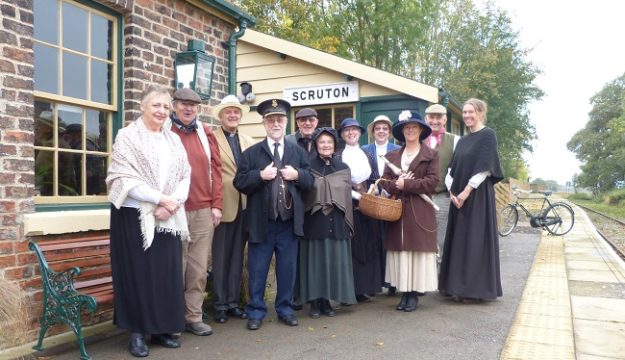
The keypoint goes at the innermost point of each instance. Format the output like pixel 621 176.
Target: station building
pixel 72 74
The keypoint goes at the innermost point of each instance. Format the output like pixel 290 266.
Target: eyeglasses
pixel 307 120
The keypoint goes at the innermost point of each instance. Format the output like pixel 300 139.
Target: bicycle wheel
pixel 508 218
pixel 559 219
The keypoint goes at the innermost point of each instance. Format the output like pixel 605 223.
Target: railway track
pixel 611 229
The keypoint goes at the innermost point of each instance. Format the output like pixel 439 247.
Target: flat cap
pixel 186 94
pixel 436 109
pixel 306 112
pixel 273 106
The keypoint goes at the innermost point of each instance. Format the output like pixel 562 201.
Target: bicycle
pixel 557 218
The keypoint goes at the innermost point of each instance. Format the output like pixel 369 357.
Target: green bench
pixel 76 278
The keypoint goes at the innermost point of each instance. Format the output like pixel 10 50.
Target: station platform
pixel 564 298
pixel 573 304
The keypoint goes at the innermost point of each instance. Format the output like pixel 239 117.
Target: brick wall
pixel 153 32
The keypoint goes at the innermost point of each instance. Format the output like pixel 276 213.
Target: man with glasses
pixel 307 122
pixel 273 173
pixel 203 206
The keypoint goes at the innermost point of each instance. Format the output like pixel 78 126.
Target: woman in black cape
pixel 470 266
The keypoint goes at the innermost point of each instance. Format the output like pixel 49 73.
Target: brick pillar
pixel 16 144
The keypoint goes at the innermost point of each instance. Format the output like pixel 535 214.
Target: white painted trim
pixel 63 222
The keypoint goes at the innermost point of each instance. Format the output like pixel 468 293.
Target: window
pixel 328 116
pixel 76 70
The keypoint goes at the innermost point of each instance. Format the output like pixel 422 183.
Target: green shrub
pixel 580 196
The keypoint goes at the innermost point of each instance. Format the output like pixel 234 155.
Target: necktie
pixel 276 156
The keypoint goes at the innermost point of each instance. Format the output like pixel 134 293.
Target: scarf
pixel 436 135
pixel 133 162
pixel 199 130
pixel 358 162
pixel 329 192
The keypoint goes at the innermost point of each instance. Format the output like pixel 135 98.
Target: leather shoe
pixel 289 320
pixel 411 302
pixel 326 308
pixel 199 328
pixel 237 312
pixel 392 290
pixel 363 298
pixel 296 305
pixel 221 316
pixel 253 324
pixel 165 340
pixel 315 311
pixel 138 347
pixel 402 303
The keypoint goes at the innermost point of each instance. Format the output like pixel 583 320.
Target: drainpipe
pixel 232 57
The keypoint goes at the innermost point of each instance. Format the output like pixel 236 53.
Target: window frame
pixel 333 107
pixel 115 108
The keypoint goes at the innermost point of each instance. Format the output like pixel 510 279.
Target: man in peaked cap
pixel 273 174
pixel 445 143
pixel 204 203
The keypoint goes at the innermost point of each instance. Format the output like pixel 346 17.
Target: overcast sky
pixel 580 46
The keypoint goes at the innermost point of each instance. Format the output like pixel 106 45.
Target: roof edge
pixel 231 10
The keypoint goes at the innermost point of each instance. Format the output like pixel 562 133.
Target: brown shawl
pixel 329 191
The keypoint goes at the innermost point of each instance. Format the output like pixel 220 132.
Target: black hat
pixel 347 122
pixel 306 112
pixel 273 106
pixel 410 117
pixel 327 130
pixel 186 94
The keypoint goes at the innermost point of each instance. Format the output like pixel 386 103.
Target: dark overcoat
pixel 416 230
pixel 248 181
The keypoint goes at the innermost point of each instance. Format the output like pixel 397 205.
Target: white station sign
pixel 322 94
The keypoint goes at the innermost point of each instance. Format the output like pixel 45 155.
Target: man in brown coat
pixel 229 240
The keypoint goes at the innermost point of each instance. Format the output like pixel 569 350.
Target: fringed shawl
pixel 134 162
pixel 330 191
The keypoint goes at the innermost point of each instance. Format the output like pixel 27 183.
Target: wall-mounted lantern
pixel 194 69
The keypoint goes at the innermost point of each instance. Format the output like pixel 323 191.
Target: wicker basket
pixel 379 207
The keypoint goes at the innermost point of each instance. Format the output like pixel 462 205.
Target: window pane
pixel 70 173
pixel 342 113
pixel 74 28
pixel 101 81
pixel 46 68
pixel 46 21
pixel 325 117
pixel 70 127
pixel 44 124
pixel 96 174
pixel 97 133
pixel 44 161
pixel 74 75
pixel 101 37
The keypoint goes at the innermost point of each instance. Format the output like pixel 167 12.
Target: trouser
pixel 281 240
pixel 228 246
pixel 442 200
pixel 195 255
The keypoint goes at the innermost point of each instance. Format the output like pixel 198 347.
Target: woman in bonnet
pixel 147 182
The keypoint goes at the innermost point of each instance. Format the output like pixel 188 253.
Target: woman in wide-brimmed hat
pixel 367 240
pixel 411 241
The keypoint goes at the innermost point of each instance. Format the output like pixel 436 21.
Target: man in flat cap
pixel 445 143
pixel 229 240
pixel 273 173
pixel 307 122
pixel 203 206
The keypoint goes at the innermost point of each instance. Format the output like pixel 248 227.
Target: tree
pixel 599 145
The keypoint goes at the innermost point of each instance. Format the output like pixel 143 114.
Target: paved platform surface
pixel 564 298
pixel 573 305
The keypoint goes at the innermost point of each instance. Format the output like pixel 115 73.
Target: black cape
pixel 470 264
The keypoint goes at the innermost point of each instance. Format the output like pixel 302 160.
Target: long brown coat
pixel 416 230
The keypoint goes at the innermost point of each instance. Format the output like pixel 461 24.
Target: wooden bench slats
pixel 53 257
pixel 89 283
pixel 82 263
pixel 70 244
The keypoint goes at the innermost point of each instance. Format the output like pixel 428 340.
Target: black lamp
pixel 194 69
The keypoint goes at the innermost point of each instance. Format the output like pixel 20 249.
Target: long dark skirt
pixel 470 264
pixel 366 248
pixel 149 294
pixel 325 268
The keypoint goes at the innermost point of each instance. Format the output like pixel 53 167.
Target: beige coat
pixel 228 170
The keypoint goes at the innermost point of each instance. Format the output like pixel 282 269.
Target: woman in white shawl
pixel 366 242
pixel 148 181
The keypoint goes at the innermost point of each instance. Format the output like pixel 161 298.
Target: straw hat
pixel 230 101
